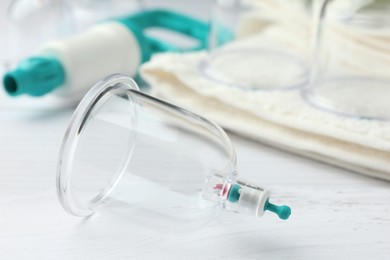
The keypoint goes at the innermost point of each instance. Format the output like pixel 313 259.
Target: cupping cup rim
pixel 204 65
pixel 70 142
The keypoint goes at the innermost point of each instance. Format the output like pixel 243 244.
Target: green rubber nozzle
pixel 234 193
pixel 35 76
pixel 283 212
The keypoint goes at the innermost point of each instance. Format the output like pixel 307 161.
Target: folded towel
pixel 278 118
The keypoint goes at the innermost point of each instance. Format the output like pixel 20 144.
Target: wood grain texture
pixel 336 214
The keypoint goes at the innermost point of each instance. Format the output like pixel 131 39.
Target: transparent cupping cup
pixel 90 12
pixel 31 23
pixel 351 59
pixel 151 162
pixel 255 47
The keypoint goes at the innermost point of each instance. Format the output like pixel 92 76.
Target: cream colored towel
pixel 278 118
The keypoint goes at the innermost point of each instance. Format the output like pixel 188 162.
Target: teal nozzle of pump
pixel 69 66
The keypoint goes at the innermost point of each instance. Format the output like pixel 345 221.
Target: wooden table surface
pixel 336 214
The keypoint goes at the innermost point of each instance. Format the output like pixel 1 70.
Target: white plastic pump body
pixel 104 49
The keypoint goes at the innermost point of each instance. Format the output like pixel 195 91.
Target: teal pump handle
pixel 169 20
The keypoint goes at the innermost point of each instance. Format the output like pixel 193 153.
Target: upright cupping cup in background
pixel 265 56
pixel 30 23
pixel 90 12
pixel 351 59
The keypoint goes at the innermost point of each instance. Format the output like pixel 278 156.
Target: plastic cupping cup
pixel 269 62
pixel 30 23
pixel 351 59
pixel 151 162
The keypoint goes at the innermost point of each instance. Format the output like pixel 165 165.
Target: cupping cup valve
pixel 140 156
pixel 69 66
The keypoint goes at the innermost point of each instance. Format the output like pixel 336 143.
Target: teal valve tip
pixel 234 193
pixel 34 76
pixel 283 212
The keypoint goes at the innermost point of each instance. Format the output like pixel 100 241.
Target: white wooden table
pixel 336 214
